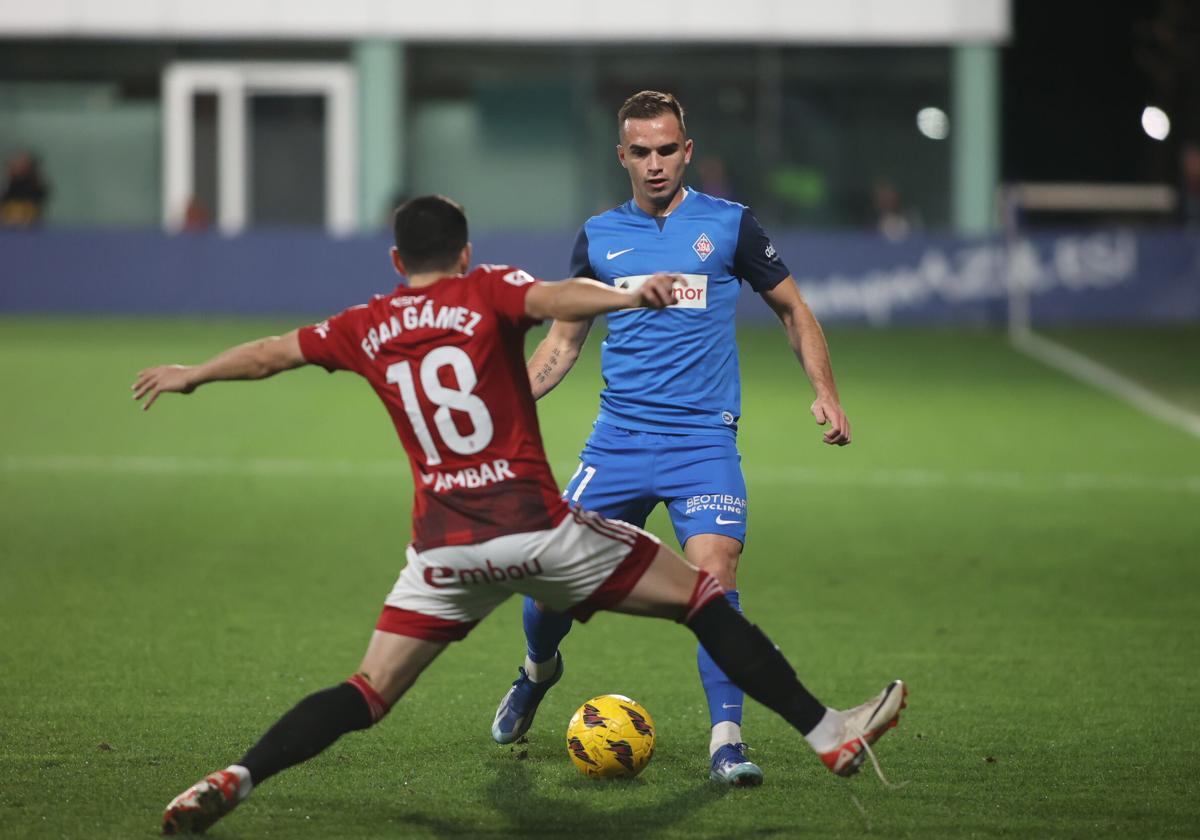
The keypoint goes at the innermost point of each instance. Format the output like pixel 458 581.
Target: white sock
pixel 541 671
pixel 827 734
pixel 725 732
pixel 245 785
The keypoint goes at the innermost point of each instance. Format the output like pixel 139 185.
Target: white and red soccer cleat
pixel 862 726
pixel 201 805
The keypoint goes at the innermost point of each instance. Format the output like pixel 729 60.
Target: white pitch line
pixel 1080 367
pixel 917 479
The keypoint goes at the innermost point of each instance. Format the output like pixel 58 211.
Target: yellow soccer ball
pixel 610 737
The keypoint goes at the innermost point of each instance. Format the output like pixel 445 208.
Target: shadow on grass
pixel 523 807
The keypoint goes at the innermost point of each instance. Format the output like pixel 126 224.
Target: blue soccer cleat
pixel 730 766
pixel 520 704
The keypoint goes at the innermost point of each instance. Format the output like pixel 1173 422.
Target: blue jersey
pixel 676 370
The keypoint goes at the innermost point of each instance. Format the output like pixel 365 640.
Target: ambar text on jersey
pixel 470 477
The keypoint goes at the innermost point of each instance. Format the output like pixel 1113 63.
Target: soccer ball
pixel 610 737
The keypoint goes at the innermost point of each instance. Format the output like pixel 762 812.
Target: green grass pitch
pixel 1023 550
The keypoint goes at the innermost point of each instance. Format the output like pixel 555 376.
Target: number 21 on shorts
pixel 588 474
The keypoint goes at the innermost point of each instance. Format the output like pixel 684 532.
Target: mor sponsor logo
pixel 692 294
pixel 441 577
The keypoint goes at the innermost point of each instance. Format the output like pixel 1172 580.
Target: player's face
pixel 655 153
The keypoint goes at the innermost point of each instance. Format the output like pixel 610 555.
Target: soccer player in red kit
pixel 445 353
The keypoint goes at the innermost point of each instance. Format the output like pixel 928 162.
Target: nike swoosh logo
pixel 612 255
pixel 721 521
pixel 731 705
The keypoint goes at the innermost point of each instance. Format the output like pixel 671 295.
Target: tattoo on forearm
pixel 548 367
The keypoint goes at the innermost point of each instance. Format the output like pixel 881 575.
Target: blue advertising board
pixel 1117 275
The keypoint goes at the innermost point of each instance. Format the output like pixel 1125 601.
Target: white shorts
pixel 584 564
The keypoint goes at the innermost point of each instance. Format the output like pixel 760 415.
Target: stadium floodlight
pixel 1156 123
pixel 933 123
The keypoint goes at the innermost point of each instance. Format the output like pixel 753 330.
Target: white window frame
pixel 233 82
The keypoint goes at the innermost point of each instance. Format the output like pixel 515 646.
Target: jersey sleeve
pixel 581 263
pixel 506 288
pixel 755 260
pixel 334 343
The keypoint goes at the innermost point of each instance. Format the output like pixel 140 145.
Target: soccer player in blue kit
pixel 672 398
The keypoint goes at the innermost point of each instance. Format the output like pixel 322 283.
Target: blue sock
pixel 725 700
pixel 543 631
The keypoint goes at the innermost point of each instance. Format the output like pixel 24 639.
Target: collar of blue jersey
pixel 633 206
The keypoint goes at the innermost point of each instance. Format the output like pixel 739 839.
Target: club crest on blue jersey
pixel 703 247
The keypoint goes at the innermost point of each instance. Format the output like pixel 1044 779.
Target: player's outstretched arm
pixel 808 343
pixel 555 355
pixel 573 304
pixel 252 360
pixel 580 299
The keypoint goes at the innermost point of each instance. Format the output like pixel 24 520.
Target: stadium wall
pixel 1121 276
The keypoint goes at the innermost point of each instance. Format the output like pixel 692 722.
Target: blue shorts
pixel 624 474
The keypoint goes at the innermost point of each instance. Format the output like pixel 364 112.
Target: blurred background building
pixel 802 116
pixel 924 125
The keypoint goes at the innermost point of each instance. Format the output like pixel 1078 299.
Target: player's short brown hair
pixel 430 232
pixel 648 104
